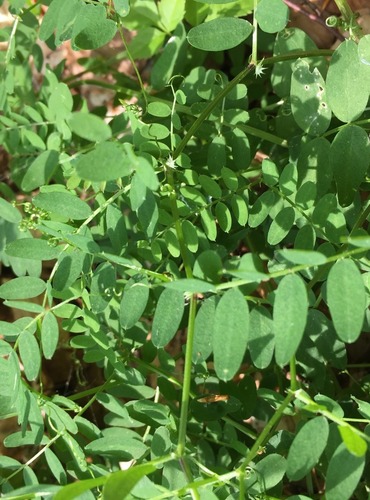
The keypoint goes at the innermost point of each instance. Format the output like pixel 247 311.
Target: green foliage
pixel 202 298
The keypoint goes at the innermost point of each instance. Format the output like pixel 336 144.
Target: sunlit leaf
pixel 220 34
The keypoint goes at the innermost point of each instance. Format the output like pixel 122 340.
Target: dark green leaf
pixel 266 474
pixel 307 448
pixel 230 334
pixel 203 330
pixel 261 338
pixel 55 466
pixel 281 226
pixel 350 159
pixel 346 83
pixel 223 217
pixel 167 317
pixel 190 235
pixel 343 474
pixel 346 302
pixel 290 316
pixel 261 208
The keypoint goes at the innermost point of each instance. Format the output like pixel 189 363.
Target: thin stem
pixel 209 108
pixel 120 29
pixel 185 397
pixel 254 59
pixel 293 374
pixel 223 93
pixel 262 438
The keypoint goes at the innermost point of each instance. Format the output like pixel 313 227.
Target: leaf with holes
pixel 308 99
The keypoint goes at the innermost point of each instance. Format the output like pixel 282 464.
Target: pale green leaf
pixel 171 12
pixel 272 15
pixel 134 300
pixel 49 335
pixel 355 444
pixel 30 355
pixel 108 161
pixel 191 286
pixel 24 287
pixel 122 7
pixel 41 170
pixel 63 203
pixel 32 248
pixel 8 212
pixel 89 127
pixel 220 34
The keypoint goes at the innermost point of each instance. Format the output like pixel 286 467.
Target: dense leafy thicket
pixel 199 260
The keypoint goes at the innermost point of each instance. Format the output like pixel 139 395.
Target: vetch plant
pixel 199 261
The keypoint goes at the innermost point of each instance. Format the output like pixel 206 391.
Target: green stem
pixel 185 397
pixel 262 438
pixel 223 93
pixel 208 110
pixel 345 10
pixel 143 91
pixel 293 374
pixel 254 59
